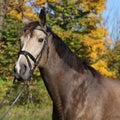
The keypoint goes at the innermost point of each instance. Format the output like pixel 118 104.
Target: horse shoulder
pixel 112 102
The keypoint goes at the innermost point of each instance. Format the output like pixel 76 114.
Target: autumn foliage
pixel 76 22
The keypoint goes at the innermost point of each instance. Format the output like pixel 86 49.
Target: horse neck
pixel 60 59
pixel 59 71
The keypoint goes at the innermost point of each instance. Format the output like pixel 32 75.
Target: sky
pixel 111 18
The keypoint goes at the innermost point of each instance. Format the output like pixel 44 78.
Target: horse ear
pixel 25 21
pixel 42 18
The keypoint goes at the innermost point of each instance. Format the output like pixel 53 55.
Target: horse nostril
pixel 23 69
pixel 15 69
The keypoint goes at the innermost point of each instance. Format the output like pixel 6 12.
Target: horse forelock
pixel 30 27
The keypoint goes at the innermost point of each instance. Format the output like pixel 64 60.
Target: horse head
pixel 33 47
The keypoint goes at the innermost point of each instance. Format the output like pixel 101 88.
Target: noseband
pixel 39 56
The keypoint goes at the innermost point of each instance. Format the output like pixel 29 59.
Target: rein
pixel 16 99
pixel 36 61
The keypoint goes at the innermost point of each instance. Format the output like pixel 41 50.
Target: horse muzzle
pixel 22 72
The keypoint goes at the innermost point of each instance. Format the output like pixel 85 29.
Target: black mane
pixel 31 26
pixel 70 58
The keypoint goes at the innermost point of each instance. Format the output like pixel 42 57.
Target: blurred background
pixel 91 29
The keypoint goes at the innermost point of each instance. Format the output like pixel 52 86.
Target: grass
pixel 39 109
pixel 25 113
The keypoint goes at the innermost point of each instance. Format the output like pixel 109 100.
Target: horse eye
pixel 40 39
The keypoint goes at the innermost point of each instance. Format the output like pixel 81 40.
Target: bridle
pixel 29 56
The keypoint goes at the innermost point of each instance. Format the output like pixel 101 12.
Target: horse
pixel 77 90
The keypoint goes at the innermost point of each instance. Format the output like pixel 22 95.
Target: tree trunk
pixel 2 14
